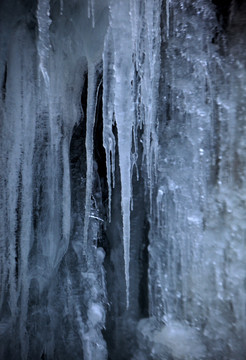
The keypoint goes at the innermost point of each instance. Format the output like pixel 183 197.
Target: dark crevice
pixel 18 224
pixel 100 160
pixel 143 298
pixel 115 293
pixel 4 82
pixel 224 9
pixel 99 151
pixel 77 143
pixel 84 94
pixel 109 236
pixel 77 160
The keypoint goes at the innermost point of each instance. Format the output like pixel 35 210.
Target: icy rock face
pixel 196 248
pixel 122 180
pixel 52 285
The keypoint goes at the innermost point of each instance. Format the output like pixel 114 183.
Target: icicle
pixel 91 11
pixel 61 7
pixel 108 110
pixel 125 175
pixel 124 116
pixel 66 197
pixel 167 17
pixel 43 17
pixel 27 205
pixel 134 26
pixel 149 88
pixel 90 120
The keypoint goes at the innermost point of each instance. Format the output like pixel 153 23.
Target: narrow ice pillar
pixel 43 17
pixel 121 78
pixel 90 120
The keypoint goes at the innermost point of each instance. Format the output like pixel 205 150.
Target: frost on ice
pixel 122 179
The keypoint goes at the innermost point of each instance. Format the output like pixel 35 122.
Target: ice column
pixel 131 75
pixel 43 12
pixel 120 81
pixel 90 120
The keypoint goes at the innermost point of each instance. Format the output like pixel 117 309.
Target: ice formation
pixel 122 179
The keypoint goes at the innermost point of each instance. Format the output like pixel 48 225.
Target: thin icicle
pixel 167 17
pixel 125 176
pixel 108 110
pixel 150 83
pixel 43 17
pixel 90 120
pixel 91 11
pixel 66 198
pixel 28 129
pixel 124 116
pixel 61 7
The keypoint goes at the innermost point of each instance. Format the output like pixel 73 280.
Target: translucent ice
pixel 122 179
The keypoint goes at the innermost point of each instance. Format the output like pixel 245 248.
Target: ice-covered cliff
pixel 122 179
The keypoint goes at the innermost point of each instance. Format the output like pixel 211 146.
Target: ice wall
pixel 122 172
pixel 52 285
pixel 196 240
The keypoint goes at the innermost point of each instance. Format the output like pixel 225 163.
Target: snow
pixel 182 340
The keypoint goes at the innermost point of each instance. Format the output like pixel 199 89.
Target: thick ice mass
pixel 122 179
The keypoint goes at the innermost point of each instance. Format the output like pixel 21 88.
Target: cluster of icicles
pixel 130 84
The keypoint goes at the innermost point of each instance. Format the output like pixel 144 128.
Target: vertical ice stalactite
pixel 61 7
pixel 130 96
pixel 149 71
pixel 29 111
pixel 108 113
pixel 43 12
pixel 167 18
pixel 90 120
pixel 123 112
pixel 55 117
pixel 91 11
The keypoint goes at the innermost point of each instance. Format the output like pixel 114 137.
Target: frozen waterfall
pixel 122 180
